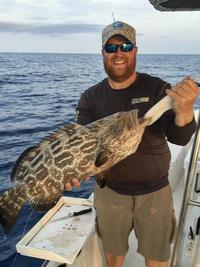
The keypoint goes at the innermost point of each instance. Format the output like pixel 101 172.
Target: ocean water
pixel 38 94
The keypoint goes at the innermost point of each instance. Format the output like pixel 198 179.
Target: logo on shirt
pixel 139 100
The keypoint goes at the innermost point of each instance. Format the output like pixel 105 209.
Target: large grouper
pixel 74 151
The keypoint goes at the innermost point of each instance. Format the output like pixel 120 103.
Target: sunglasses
pixel 112 48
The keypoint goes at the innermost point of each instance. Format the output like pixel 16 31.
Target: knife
pixel 73 214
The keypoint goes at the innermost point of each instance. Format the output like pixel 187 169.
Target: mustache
pixel 119 57
pixel 115 57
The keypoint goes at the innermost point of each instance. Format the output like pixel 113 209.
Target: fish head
pixel 123 122
pixel 125 132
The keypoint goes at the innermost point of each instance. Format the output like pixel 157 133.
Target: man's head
pixel 119 51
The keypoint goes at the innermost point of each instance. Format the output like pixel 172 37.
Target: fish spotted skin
pixel 74 151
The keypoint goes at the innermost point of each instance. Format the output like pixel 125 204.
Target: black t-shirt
pixel 147 169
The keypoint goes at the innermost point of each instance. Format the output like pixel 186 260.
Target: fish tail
pixel 10 205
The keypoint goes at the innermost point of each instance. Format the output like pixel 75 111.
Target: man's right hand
pixel 74 183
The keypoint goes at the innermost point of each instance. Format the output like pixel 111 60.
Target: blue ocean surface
pixel 38 94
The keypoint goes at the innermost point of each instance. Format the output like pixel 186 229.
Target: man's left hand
pixel 184 95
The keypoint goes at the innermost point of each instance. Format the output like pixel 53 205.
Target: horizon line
pixel 83 53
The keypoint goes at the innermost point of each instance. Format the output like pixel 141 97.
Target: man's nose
pixel 119 51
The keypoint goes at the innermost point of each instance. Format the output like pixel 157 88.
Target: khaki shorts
pixel 150 215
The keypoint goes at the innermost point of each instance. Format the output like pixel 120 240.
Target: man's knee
pixel 153 263
pixel 114 261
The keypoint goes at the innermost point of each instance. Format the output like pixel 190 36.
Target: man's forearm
pixel 184 119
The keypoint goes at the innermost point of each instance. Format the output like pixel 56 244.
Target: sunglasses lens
pixel 127 47
pixel 110 48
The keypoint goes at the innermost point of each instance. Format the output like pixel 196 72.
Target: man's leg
pixel 155 226
pixel 114 223
pixel 117 261
pixel 152 263
pixel 114 261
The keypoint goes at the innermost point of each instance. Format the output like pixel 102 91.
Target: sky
pixel 75 26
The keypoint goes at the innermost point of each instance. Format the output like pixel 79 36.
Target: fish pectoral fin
pixel 101 159
pixel 102 178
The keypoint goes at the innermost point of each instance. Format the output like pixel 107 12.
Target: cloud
pixel 64 11
pixel 50 29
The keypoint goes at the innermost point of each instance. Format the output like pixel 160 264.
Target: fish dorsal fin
pixel 69 129
pixel 18 168
pixel 30 153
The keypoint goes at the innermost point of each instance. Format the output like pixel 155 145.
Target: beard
pixel 120 72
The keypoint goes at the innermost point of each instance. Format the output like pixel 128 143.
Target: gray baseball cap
pixel 119 27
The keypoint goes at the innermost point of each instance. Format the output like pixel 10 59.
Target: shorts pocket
pixel 174 228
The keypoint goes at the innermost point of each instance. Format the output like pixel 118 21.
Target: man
pixel 136 193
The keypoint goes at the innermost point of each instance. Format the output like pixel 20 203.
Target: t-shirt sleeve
pixel 85 110
pixel 175 134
